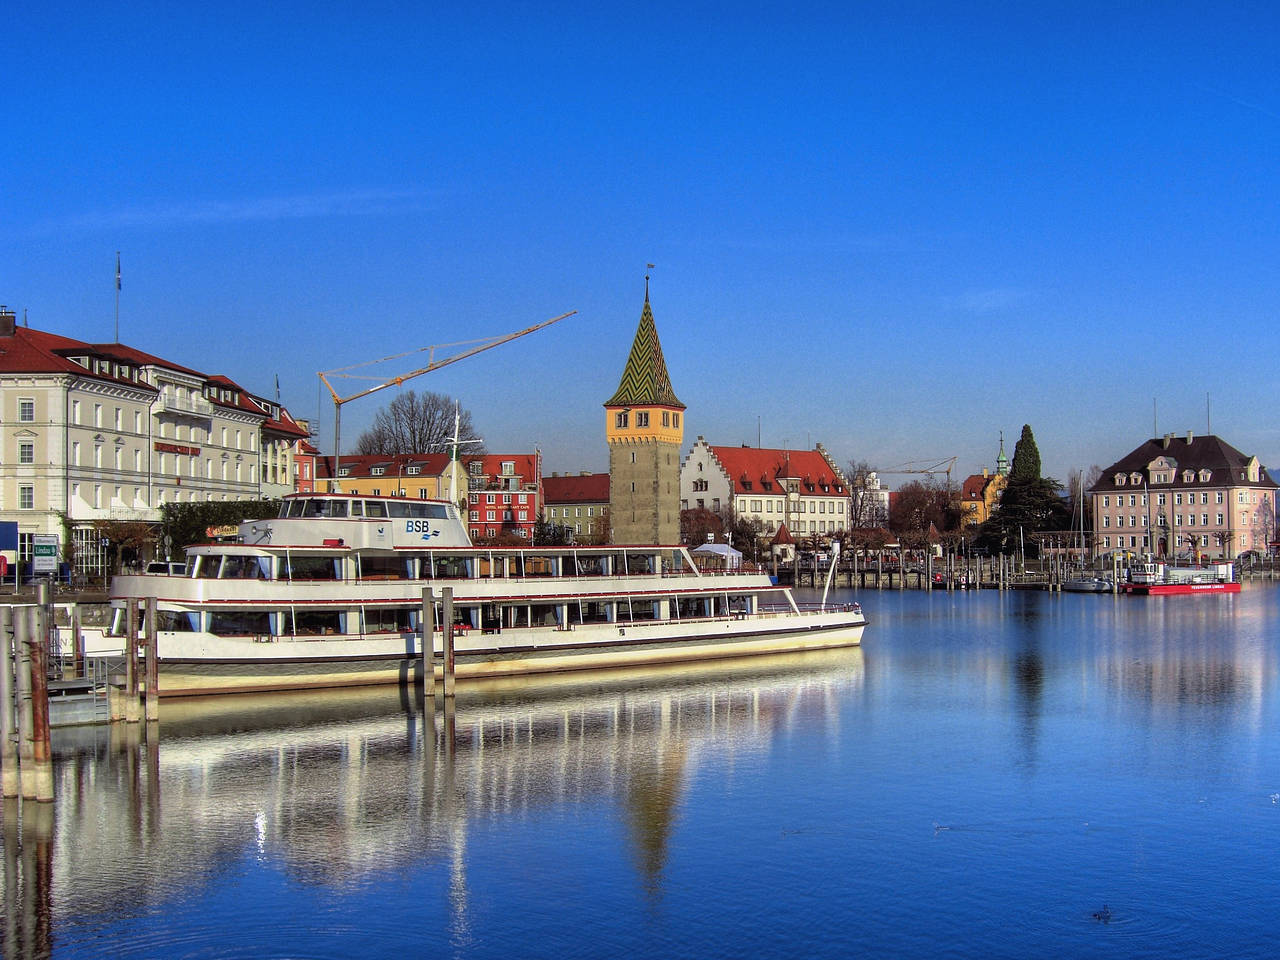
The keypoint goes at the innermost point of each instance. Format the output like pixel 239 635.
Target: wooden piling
pixel 448 642
pixel 77 641
pixel 427 620
pixel 152 662
pixel 26 720
pixel 41 754
pixel 9 784
pixel 131 711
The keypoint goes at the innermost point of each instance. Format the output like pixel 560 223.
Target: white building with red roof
pixel 106 432
pixel 802 489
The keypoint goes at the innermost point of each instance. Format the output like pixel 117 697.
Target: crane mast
pixel 474 347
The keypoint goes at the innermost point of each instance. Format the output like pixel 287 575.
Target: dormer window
pixel 1120 479
pixel 344 471
pixel 508 468
pixel 476 467
pixel 1188 476
pixel 1205 475
pixel 378 471
pixel 1135 478
pixel 413 471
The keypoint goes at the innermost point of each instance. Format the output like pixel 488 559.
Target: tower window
pixel 666 418
pixel 633 456
pixel 642 418
pixel 675 419
pixel 620 419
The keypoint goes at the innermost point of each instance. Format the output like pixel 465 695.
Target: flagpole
pixel 117 296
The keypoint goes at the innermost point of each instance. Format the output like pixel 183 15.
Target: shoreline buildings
pixel 100 433
pixel 1200 496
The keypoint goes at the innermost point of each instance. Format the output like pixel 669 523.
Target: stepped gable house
pixel 1200 495
pixel 644 429
pixel 802 489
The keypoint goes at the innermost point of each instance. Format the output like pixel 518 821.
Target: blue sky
pixel 895 231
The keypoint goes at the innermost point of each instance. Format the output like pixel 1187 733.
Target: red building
pixel 504 495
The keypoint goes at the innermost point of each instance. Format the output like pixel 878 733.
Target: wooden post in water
pixel 131 607
pixel 152 662
pixel 41 754
pixel 448 642
pixel 8 745
pixel 427 620
pixel 77 640
pixel 26 743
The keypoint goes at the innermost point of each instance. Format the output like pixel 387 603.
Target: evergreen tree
pixel 1029 503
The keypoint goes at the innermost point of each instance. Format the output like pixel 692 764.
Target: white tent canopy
pixel 725 554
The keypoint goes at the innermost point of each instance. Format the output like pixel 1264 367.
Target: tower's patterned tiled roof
pixel 645 381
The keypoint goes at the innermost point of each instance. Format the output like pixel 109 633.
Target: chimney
pixel 1168 439
pixel 8 321
pixel 1190 436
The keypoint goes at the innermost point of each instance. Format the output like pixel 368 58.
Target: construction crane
pixel 928 467
pixel 474 347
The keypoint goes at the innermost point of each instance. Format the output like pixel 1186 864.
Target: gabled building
pixel 104 432
pixel 802 489
pixel 416 475
pixel 1174 496
pixel 980 492
pixel 579 502
pixel 504 495
pixel 644 429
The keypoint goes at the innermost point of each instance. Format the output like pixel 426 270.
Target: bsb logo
pixel 421 526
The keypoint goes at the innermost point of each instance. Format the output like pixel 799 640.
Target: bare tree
pixel 415 423
pixel 865 504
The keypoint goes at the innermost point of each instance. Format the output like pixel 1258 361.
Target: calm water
pixel 979 780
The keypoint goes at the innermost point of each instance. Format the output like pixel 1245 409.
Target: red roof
pixel 782 536
pixel 576 488
pixel 757 470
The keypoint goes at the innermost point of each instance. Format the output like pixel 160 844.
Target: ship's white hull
pixel 197 664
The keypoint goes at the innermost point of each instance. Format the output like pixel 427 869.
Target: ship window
pixel 180 621
pixel 244 568
pixel 314 623
pixel 309 567
pixel 375 508
pixel 385 568
pixel 238 623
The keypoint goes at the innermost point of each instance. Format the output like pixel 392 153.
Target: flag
pixel 277 388
pixel 117 269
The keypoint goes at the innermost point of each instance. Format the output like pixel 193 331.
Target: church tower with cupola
pixel 644 424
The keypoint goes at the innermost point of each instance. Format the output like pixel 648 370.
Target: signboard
pixel 44 553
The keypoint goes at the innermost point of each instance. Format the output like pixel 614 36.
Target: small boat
pixel 1084 583
pixel 334 592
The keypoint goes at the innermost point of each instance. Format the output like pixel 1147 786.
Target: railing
pixel 200 408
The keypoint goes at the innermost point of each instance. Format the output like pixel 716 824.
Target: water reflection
pixel 334 788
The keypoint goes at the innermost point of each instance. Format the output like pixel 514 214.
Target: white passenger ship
pixel 330 593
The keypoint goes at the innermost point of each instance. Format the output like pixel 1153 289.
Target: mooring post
pixel 131 607
pixel 77 639
pixel 26 743
pixel 428 623
pixel 153 662
pixel 8 746
pixel 41 755
pixel 448 641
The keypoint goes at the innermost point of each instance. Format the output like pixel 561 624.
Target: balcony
pixel 186 408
